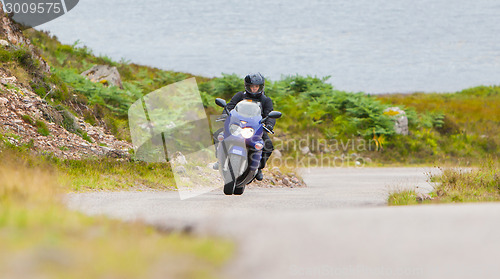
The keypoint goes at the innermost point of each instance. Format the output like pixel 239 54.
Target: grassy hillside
pixel 469 127
pixel 96 102
pixel 459 127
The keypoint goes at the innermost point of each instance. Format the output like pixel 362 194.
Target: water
pixel 373 46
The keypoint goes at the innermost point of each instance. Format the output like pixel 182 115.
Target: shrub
pixel 28 119
pixel 42 128
pixel 5 55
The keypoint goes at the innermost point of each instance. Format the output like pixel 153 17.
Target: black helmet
pixel 254 79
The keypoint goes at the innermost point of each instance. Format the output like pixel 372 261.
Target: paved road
pixel 338 227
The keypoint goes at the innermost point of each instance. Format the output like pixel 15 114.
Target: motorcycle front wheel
pixel 239 190
pixel 228 188
pixel 233 165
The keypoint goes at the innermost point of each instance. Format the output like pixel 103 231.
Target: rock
pixel 8 80
pixel 69 121
pixel 286 181
pixel 13 141
pixel 325 149
pixel 276 171
pixel 179 159
pixel 104 74
pixel 400 120
pixel 401 125
pixel 211 166
pixel 84 143
pixel 180 170
pixel 4 43
pixel 423 197
pixel 267 178
pixel 49 113
pixel 305 150
pixel 3 101
pixel 277 154
pixel 440 193
pixel 116 154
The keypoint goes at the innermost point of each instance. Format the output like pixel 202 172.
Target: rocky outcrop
pixel 13 34
pixel 104 74
pixel 28 120
pixel 400 120
pixel 24 120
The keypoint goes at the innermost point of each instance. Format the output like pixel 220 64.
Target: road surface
pixel 337 227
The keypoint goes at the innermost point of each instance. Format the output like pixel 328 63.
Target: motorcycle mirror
pixel 274 114
pixel 220 102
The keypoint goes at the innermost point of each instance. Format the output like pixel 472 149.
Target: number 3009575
pixel 33 8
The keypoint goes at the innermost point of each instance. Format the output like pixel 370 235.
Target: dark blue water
pixel 373 46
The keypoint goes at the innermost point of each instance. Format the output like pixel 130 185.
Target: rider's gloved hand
pixel 269 127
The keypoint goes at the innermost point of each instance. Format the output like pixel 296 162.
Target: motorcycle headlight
pixel 247 132
pixel 235 129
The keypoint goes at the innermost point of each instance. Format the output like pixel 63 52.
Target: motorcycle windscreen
pixel 248 108
pixel 170 125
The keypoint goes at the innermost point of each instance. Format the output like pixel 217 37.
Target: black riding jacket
pixel 266 103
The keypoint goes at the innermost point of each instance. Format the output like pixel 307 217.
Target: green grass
pixel 112 174
pixel 42 128
pixel 474 185
pixel 41 238
pixel 454 185
pixel 407 197
pixel 21 55
pixel 98 173
pixel 28 119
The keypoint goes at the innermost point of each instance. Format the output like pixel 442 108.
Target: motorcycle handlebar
pixel 268 130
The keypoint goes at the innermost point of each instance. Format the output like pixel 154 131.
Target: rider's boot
pixel 259 176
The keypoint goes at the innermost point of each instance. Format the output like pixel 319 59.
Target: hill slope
pixel 28 120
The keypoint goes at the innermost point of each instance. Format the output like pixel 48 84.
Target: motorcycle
pixel 240 144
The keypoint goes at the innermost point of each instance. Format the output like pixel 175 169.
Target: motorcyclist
pixel 254 90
